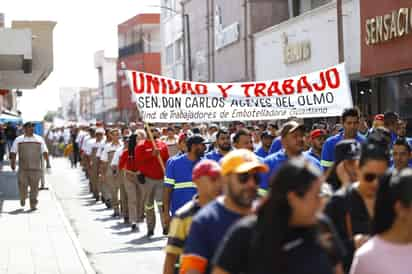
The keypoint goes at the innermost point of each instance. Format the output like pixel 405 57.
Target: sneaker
pixel 150 233
pixel 135 228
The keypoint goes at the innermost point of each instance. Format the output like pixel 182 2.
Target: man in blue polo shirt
pixel 223 146
pixel 239 176
pixel 350 121
pixel 317 138
pixel 266 139
pixel 292 141
pixel 179 188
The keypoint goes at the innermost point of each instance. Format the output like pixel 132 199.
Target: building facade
pixel 386 63
pixel 26 60
pixel 220 48
pixel 139 49
pixel 309 42
pixel 107 100
pixel 171 32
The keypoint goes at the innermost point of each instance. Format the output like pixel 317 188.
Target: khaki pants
pixel 152 191
pixel 124 211
pixel 113 182
pixel 134 199
pixel 94 181
pixel 105 187
pixel 28 178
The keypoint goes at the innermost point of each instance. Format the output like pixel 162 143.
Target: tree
pixel 50 116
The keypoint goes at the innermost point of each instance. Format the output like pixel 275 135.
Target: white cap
pixel 100 130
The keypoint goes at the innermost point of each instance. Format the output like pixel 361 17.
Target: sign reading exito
pixel 165 100
pixel 387 27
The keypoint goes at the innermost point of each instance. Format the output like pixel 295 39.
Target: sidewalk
pixel 36 242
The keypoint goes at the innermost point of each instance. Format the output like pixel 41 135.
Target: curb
pixel 88 269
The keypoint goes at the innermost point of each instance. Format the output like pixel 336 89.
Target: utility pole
pixel 189 49
pixel 340 31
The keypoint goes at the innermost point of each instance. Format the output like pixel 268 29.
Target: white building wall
pixel 171 32
pixel 319 27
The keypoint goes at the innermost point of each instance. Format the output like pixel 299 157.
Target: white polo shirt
pixel 26 139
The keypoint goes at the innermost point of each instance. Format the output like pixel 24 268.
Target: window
pixel 122 41
pixel 178 50
pixel 318 3
pixel 169 54
pixel 299 7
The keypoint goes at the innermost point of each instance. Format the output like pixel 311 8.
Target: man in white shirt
pixel 110 177
pixel 30 149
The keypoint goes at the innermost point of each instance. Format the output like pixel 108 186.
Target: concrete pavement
pixel 109 245
pixel 39 241
pixel 108 242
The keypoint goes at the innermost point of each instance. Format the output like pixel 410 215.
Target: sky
pixel 83 27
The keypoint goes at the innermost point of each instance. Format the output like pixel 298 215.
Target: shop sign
pixel 390 26
pixel 386 36
pixel 295 52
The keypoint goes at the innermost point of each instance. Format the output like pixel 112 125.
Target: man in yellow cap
pixel 240 170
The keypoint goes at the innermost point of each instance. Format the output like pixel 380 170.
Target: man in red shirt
pixel 151 177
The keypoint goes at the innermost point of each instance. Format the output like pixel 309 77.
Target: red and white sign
pixel 323 93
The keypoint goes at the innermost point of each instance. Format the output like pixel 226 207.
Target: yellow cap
pixel 241 161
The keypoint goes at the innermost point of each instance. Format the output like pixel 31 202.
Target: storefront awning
pixel 4 118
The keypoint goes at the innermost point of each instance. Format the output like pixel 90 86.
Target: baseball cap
pixel 208 168
pixel 100 130
pixel 317 133
pixel 241 161
pixel 182 137
pixel 379 117
pixel 390 115
pixel 28 124
pixel 347 150
pixel 266 134
pixel 291 127
pixel 213 126
pixel 196 140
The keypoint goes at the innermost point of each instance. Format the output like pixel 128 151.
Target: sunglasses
pixel 370 177
pixel 245 177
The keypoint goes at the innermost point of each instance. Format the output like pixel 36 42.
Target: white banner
pixel 323 93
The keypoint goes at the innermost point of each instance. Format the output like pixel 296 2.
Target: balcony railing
pixel 131 49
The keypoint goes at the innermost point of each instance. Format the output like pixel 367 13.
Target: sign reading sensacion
pixel 393 25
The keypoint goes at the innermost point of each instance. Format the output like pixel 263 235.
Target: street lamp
pixel 186 39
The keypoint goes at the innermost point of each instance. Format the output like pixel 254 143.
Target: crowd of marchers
pixel 258 198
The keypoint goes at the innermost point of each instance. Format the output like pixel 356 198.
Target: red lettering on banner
pixel 173 90
pixel 201 89
pixel 152 82
pixel 274 88
pixel 185 87
pixel 164 85
pixel 135 88
pixel 323 82
pixel 287 87
pixel 224 90
pixel 303 83
pixel 259 89
pixel 334 72
pixel 246 88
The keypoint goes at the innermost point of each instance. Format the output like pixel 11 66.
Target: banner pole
pixel 149 132
pixel 146 125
